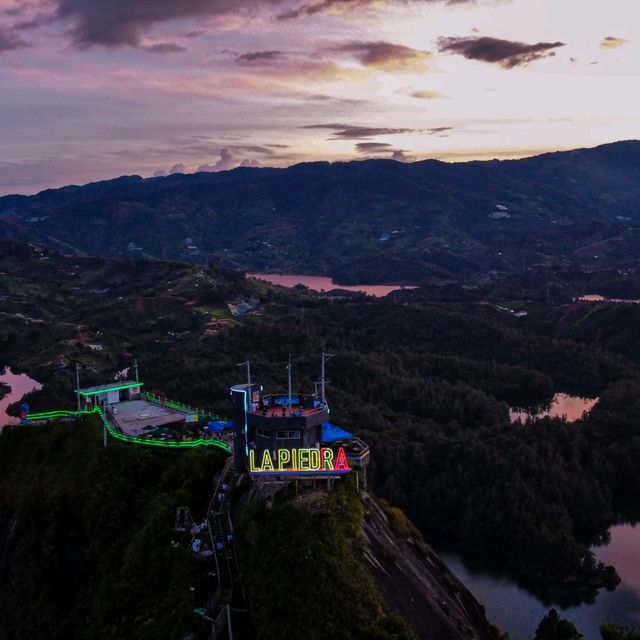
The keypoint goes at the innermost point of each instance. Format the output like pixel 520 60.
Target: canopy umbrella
pixel 331 433
pixel 218 425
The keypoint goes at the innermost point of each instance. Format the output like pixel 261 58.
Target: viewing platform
pixel 132 415
pixel 290 435
pixel 140 417
pixel 277 434
pixel 277 406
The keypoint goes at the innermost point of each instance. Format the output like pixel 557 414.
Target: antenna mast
pixel 325 358
pixel 289 370
pixel 248 365
pixel 78 384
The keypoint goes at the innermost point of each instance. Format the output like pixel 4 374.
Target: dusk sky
pixel 93 89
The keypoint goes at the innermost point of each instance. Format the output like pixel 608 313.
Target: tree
pixel 618 632
pixel 553 627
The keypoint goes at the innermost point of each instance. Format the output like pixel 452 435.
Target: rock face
pixel 419 585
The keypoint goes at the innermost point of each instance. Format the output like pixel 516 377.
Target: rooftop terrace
pixel 135 416
pixel 277 406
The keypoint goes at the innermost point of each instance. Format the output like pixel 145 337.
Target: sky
pixel 93 89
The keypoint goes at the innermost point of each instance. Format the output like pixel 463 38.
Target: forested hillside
pixel 369 221
pixel 85 536
pixel 427 383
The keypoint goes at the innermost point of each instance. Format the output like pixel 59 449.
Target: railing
pixel 364 447
pixel 149 441
pixel 219 528
pixel 359 456
pixel 177 406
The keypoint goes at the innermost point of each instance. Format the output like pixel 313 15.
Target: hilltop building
pixel 279 436
pixel 133 412
pixel 289 435
pixel 113 393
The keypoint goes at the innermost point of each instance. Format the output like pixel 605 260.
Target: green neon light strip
pixel 117 388
pixel 123 437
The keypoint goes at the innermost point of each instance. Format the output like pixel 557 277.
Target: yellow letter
pixel 284 457
pixel 267 463
pixel 303 459
pixel 314 459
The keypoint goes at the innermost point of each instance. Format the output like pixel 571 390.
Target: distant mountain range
pixel 364 221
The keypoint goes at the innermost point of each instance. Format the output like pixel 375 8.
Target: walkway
pixel 149 441
pixel 231 589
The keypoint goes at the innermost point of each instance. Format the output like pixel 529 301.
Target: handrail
pixel 172 404
pixel 178 406
pixel 125 437
pixel 364 445
pixel 214 525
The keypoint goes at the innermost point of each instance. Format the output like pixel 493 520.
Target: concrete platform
pixel 133 415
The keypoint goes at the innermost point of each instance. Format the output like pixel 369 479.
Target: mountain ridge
pixel 368 220
pixel 389 161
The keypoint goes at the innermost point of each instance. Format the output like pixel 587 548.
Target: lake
pixel 518 612
pixel 595 297
pixel 322 283
pixel 562 404
pixel 20 384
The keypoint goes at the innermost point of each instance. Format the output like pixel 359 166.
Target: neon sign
pixel 322 460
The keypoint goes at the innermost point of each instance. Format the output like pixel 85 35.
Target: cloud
pixel 15 175
pixel 324 6
pixel 372 147
pixel 256 148
pixel 341 6
pixel 10 41
pixel 378 148
pixel 354 132
pixel 426 95
pixel 229 159
pixel 611 42
pixel 177 168
pixel 385 55
pixel 164 47
pixel 258 57
pixel 115 23
pixel 282 66
pixel 435 130
pixel 122 22
pixel 506 53
pixel 400 156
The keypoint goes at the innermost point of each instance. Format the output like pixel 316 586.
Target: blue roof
pixel 218 425
pixel 330 433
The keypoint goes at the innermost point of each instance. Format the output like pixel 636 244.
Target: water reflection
pixel 20 385
pixel 517 609
pixel 594 297
pixel 562 405
pixel 322 283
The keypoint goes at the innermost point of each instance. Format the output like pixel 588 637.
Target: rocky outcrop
pixel 419 585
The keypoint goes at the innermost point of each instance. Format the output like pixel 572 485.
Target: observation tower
pixel 289 434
